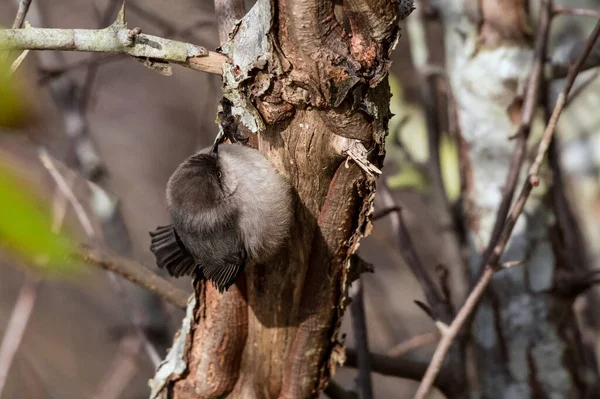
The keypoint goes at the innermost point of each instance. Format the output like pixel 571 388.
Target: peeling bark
pixel 308 89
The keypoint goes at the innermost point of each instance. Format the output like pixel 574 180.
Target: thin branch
pixel 21 13
pixel 409 254
pixel 23 8
pixel 137 274
pixel 63 186
pixel 359 327
pixel 16 326
pixel 491 267
pixel 336 391
pixel 401 367
pixel 413 343
pixel 117 38
pixel 18 61
pixel 581 12
pixel 384 212
pixel 560 103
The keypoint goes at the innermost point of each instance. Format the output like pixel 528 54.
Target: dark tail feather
pixel 223 276
pixel 170 252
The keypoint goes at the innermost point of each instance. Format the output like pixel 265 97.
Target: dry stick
pixel 17 24
pixel 582 12
pixel 491 267
pixel 63 186
pixel 384 212
pixel 100 60
pixel 137 274
pixel 21 13
pixel 16 326
pixel 401 367
pixel 361 336
pixel 409 254
pixel 113 39
pixel 413 343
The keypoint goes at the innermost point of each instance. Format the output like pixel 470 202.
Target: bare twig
pixel 23 8
pixel 359 327
pixel 228 12
pixel 336 391
pixel 384 212
pixel 21 13
pixel 63 186
pixel 582 12
pixel 16 326
pixel 114 39
pixel 18 61
pixel 409 254
pixel 413 343
pixel 491 267
pixel 560 103
pixel 137 274
pixel 401 367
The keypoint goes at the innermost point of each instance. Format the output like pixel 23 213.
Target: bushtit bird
pixel 228 205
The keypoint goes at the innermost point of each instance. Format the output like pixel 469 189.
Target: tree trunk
pixel 311 87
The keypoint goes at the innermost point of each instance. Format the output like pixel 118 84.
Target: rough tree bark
pixel 312 84
pixel 525 331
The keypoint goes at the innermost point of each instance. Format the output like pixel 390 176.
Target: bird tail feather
pixel 170 252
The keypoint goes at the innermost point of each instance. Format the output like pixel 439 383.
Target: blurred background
pixel 126 128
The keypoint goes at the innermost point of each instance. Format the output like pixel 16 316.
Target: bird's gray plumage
pixel 227 207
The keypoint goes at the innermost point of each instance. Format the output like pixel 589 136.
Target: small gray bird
pixel 228 205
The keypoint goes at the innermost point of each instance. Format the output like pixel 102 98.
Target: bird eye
pixel 219 174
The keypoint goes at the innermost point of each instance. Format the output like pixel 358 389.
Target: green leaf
pixel 25 229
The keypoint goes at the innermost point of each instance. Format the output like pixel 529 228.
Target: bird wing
pixel 221 254
pixel 170 252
